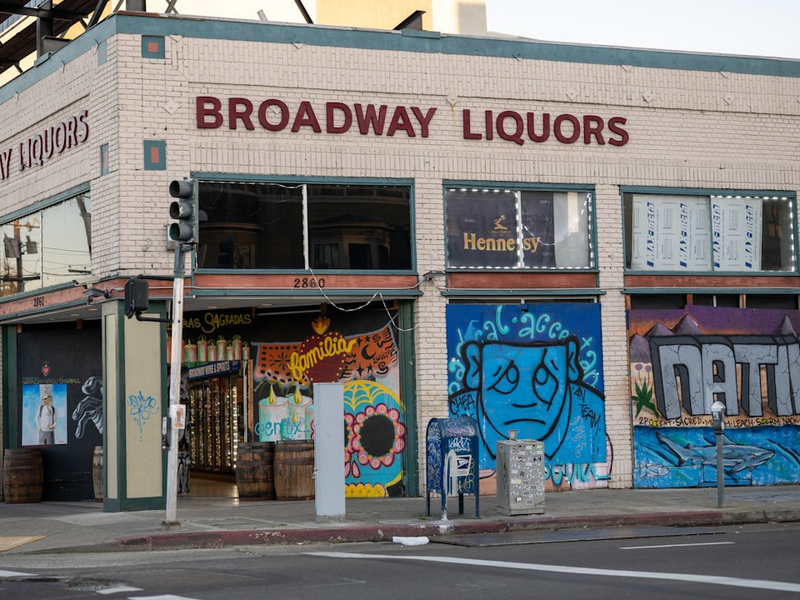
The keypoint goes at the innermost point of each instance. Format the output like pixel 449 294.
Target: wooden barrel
pixel 97 473
pixel 254 467
pixel 23 475
pixel 294 470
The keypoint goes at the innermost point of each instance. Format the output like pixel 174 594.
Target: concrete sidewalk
pixel 206 522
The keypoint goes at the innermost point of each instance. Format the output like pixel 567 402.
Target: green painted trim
pixel 408 388
pixel 521 186
pixel 160 162
pixel 424 42
pixel 297 180
pixel 658 273
pixel 525 187
pixel 156 40
pixel 204 176
pixel 644 190
pixel 11 393
pixel 678 191
pixel 102 53
pixel 122 438
pixel 515 49
pixel 712 291
pixel 47 202
pixel 134 504
pixel 491 293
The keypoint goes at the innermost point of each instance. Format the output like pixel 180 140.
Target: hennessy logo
pixel 499 244
pixel 498 224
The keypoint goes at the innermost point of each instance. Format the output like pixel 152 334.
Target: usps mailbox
pixel 451 447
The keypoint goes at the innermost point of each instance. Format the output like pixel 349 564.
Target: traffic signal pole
pixel 175 386
pixel 185 208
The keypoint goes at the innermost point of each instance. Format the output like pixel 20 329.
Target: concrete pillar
pixel 135 376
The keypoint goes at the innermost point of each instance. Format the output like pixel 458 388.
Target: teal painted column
pixel 135 376
pixel 408 392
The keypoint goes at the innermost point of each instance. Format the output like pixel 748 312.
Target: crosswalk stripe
pixel 119 589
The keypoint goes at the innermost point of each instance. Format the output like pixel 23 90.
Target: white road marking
pixel 677 545
pixel 15 574
pixel 119 589
pixel 162 597
pixel 759 584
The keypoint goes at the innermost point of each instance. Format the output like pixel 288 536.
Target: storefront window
pixel 518 229
pixel 300 226
pixel 709 233
pixel 48 247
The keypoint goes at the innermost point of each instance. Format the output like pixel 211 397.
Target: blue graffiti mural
pixel 535 369
pixel 682 361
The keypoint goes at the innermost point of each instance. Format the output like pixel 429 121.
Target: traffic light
pixel 184 209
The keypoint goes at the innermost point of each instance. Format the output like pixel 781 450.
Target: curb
pixel 377 532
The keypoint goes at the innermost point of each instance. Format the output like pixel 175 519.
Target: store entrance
pixel 216 406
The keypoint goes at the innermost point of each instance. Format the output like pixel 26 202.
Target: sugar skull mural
pixel 537 370
pixel 684 360
pixel 366 361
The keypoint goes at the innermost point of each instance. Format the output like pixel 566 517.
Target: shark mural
pixel 684 360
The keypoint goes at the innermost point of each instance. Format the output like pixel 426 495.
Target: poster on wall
pixel 44 414
pixel 535 370
pixel 736 231
pixel 671 233
pixel 59 372
pixel 684 360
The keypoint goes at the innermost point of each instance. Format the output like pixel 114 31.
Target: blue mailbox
pixel 451 448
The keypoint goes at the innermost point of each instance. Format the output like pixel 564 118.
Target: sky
pixel 744 27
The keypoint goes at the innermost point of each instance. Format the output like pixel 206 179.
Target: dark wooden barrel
pixel 23 475
pixel 254 468
pixel 97 473
pixel 294 470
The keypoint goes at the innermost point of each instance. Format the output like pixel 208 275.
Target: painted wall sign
pixel 273 114
pixel 53 140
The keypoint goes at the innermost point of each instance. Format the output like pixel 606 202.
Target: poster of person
pixel 44 414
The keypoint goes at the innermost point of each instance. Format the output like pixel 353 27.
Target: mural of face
pixel 523 387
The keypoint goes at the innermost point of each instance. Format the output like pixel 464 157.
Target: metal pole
pixel 175 387
pixel 720 473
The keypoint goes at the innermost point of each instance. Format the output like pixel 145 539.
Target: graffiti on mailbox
pixel 684 360
pixel 536 369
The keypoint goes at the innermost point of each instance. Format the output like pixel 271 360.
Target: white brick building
pixel 279 115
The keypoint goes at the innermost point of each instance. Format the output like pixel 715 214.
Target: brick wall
pixel 688 129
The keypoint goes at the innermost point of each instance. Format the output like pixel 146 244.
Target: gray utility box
pixel 520 477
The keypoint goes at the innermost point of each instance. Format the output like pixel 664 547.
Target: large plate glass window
pixel 295 226
pixel 518 229
pixel 47 247
pixel 725 233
